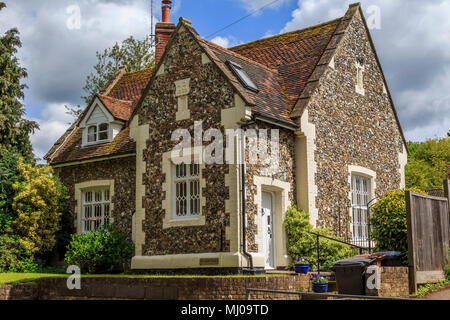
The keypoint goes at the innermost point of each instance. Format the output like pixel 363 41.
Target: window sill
pixel 179 223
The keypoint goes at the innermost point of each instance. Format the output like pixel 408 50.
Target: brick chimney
pixel 163 30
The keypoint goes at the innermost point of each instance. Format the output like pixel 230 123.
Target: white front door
pixel 267 216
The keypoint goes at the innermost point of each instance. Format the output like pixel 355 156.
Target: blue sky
pixel 412 42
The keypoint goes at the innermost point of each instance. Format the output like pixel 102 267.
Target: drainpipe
pixel 244 228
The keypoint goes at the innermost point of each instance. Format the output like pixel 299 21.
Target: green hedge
pixel 105 251
pixel 388 221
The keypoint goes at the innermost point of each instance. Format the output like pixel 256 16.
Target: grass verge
pixel 16 278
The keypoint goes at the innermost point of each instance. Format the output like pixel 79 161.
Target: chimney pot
pixel 164 30
pixel 166 7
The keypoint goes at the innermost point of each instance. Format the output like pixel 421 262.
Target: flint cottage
pixel 340 145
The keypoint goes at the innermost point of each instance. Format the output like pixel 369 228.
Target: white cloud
pixel 414 51
pixel 57 58
pixel 226 42
pixel 53 122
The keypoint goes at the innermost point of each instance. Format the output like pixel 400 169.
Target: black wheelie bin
pixel 350 275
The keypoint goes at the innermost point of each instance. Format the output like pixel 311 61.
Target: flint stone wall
pixel 352 129
pixel 122 171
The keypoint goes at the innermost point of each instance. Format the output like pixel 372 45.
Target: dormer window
pixel 103 130
pixel 99 125
pixel 242 76
pixel 98 133
pixel 92 134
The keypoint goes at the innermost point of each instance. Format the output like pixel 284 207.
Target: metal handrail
pixel 336 240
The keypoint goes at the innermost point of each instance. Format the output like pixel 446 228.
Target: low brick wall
pixel 217 288
pixel 18 292
pixel 394 282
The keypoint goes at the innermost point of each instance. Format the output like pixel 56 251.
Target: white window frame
pixel 360 212
pixel 89 203
pixel 97 134
pixel 189 179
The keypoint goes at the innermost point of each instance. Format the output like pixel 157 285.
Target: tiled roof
pixel 120 109
pixel 72 151
pixel 120 101
pixel 269 100
pixel 294 55
pixel 280 66
pixel 131 85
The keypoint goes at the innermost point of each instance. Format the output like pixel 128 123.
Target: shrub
pixel 9 174
pixel 14 257
pixel 105 251
pixel 38 206
pixel 388 221
pixel 302 244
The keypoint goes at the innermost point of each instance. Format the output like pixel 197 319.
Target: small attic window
pixel 242 76
pixel 97 133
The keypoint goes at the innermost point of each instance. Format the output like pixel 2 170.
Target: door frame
pixel 273 229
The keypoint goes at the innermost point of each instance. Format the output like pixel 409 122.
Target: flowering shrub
pixel 14 257
pixel 302 262
pixel 37 204
pixel 317 278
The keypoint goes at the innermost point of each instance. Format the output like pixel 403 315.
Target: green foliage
pixel 9 174
pixel 388 221
pixel 302 244
pixel 64 235
pixel 38 207
pixel 134 54
pixel 427 166
pixel 425 289
pixel 14 128
pixel 105 251
pixel 13 256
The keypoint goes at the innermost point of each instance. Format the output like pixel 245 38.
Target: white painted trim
pixel 306 167
pixel 140 134
pixel 168 203
pixel 364 172
pixel 186 261
pixel 79 187
pixel 280 190
pixel 403 161
pixel 96 103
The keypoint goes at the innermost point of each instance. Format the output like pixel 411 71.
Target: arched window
pixel 92 134
pixel 103 131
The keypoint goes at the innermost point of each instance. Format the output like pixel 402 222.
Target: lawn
pixel 13 278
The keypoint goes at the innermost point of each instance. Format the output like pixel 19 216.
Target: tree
pixel 134 54
pixel 14 129
pixel 9 174
pixel 427 165
pixel 38 204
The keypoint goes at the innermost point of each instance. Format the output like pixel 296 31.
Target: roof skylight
pixel 242 76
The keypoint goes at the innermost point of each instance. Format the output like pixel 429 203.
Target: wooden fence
pixel 428 237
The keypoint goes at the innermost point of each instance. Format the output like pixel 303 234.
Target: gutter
pixel 278 122
pixel 243 211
